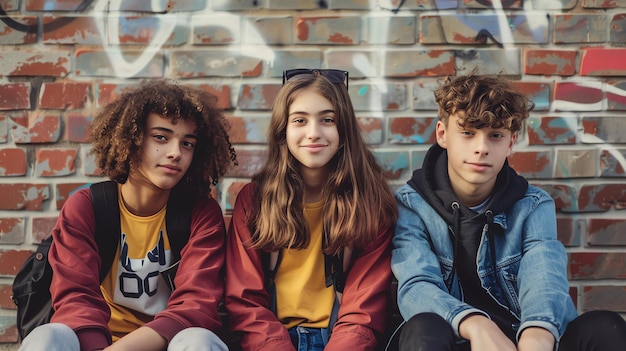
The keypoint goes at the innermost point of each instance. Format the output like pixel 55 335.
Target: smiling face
pixel 475 157
pixel 312 136
pixel 167 152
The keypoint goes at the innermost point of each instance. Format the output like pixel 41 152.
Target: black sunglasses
pixel 334 75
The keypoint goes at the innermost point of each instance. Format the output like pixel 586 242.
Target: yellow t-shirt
pixel 133 288
pixel 302 297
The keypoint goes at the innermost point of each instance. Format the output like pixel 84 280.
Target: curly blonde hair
pixel 117 131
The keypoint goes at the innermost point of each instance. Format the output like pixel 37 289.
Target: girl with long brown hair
pixel 308 251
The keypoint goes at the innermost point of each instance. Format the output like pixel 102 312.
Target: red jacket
pixel 75 286
pixel 364 305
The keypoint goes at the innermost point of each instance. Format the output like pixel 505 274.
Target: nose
pixel 174 152
pixel 313 130
pixel 481 146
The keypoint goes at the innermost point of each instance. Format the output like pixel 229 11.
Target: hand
pixel 536 339
pixel 141 339
pixel 484 335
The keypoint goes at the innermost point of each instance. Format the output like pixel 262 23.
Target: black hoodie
pixel 466 227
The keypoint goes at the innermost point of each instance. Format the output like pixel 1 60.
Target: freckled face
pixel 167 151
pixel 312 136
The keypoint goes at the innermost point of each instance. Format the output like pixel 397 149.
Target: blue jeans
pixel 308 339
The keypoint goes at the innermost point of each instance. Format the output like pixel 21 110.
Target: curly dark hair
pixel 117 131
pixel 486 101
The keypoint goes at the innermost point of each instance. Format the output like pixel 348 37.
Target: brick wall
pixel 61 60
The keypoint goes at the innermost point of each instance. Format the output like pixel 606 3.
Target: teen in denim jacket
pixel 478 263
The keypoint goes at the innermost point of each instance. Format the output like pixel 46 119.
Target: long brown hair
pixel 118 129
pixel 358 201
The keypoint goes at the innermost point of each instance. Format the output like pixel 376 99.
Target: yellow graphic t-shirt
pixel 302 297
pixel 133 288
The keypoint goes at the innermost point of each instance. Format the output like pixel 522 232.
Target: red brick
pixel 550 62
pixel 221 92
pixel 12 230
pixel 538 92
pixel 604 297
pixel 412 130
pixel 418 63
pixel 248 130
pixel 78 128
pixel 578 96
pixel 55 162
pixel 602 4
pixel 601 197
pixel 6 302
pixel 257 96
pixel 62 95
pixel 532 164
pixel 603 62
pixel 4 130
pixel 564 195
pixel 15 96
pixel 86 30
pixel 23 196
pixel 36 128
pixel 49 63
pixel 12 162
pixel 606 232
pixel 569 230
pixel 232 192
pixel 552 130
pixel 250 162
pixel 597 265
pixel 28 35
pixel 42 228
pixel 329 30
pixel 64 191
pixel 46 5
pixel 12 260
pixel 109 92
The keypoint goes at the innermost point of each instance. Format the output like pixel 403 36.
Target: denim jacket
pixel 530 263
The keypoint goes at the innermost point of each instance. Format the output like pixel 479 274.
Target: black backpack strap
pixel 108 227
pixel 178 222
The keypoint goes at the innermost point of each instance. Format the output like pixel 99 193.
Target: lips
pixel 479 166
pixel 171 169
pixel 314 147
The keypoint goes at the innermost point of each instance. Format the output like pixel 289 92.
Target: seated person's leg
pixel 595 331
pixel 426 332
pixel 51 337
pixel 197 339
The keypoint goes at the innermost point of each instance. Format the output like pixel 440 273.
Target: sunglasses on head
pixel 334 75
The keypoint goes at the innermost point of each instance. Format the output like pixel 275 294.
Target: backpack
pixel 31 287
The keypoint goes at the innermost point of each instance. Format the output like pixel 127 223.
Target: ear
pixel 440 132
pixel 511 143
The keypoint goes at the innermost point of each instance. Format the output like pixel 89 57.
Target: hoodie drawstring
pixel 455 239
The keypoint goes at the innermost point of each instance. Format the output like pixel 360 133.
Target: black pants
pixel 591 331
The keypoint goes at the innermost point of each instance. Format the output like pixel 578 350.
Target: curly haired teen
pixel 308 248
pixel 158 140
pixel 476 255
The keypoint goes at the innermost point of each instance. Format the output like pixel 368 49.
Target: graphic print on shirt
pixel 139 285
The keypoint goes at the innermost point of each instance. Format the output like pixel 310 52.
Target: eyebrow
pixel 306 113
pixel 167 130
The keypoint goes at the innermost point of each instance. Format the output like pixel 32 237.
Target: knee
pixel 199 339
pixel 602 323
pixel 426 331
pixel 51 337
pixel 426 321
